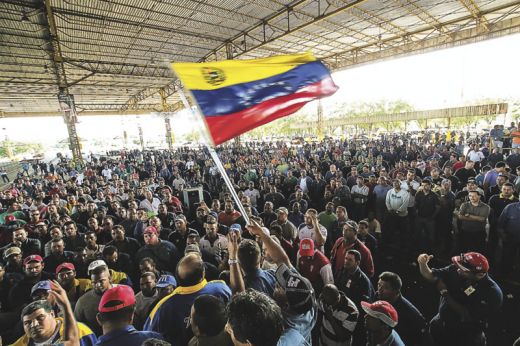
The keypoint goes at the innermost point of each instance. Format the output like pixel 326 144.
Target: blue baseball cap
pixel 42 285
pixel 236 227
pixel 166 280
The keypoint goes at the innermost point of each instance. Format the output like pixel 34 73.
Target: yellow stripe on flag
pixel 220 74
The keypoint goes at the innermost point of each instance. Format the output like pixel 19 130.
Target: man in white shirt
pixel 150 203
pixel 312 229
pixel 107 173
pixel 252 193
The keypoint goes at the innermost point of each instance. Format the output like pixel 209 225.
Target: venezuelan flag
pixel 236 96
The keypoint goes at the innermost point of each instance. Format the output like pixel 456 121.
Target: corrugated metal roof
pixel 116 52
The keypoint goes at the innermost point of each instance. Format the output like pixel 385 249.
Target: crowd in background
pixel 149 245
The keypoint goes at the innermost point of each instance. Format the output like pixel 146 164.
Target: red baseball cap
pixel 9 218
pixel 150 229
pixel 381 310
pixel 66 265
pixel 471 261
pixel 117 298
pixel 307 247
pixel 32 258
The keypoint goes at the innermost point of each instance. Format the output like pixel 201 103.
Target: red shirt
pixel 338 256
pixel 310 268
pixel 174 205
pixel 228 219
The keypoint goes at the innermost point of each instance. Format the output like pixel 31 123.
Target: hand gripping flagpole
pixel 208 142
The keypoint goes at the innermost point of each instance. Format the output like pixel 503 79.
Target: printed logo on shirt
pixel 293 282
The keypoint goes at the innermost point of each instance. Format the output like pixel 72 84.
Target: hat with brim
pixel 382 311
pixel 471 262
pixel 299 291
pixel 12 251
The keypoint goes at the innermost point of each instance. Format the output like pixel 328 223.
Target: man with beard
pixel 180 235
pixel 57 256
pixel 201 214
pixel 229 215
pixel 123 243
pixel 13 259
pixel 73 239
pixel 120 262
pixel 87 306
pixel 172 203
pixel 75 288
pixel 33 272
pixel 350 241
pixel 145 298
pixel 163 252
pixel 213 242
pixel 268 216
pixel 469 298
pixel 167 218
pixel 27 245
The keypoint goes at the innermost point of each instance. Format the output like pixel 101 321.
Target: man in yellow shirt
pixel 75 288
pixel 42 327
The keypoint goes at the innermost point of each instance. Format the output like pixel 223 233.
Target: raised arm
pixel 236 281
pixel 276 252
pixel 70 327
pixel 424 268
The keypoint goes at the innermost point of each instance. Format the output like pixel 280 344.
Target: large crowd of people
pixel 149 247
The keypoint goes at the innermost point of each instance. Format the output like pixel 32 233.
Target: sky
pixel 444 78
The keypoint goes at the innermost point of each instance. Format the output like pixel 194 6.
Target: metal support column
pixel 320 120
pixel 167 123
pixel 65 99
pixel 70 118
pixel 141 139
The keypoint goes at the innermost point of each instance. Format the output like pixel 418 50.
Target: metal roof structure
pixel 111 56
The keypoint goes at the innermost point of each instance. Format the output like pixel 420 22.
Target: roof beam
pixel 416 10
pixel 352 57
pixel 377 21
pixel 131 23
pixel 252 40
pixel 475 11
pixel 108 67
pixel 445 113
pixel 83 114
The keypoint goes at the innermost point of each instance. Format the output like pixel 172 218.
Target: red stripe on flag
pixel 224 127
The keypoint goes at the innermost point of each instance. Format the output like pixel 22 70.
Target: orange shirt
pixel 516 136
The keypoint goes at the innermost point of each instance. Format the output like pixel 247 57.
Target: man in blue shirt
pixel 293 293
pixel 412 324
pixel 249 256
pixel 116 312
pixel 469 298
pixel 171 315
pixel 509 233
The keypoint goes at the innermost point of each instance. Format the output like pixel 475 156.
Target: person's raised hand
pixel 254 228
pixel 233 245
pixel 59 293
pixel 424 258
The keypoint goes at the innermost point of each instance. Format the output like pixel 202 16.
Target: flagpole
pixel 213 153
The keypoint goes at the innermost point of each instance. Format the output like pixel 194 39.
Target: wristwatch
pixel 232 261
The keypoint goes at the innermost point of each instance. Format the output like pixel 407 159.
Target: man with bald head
pixel 170 317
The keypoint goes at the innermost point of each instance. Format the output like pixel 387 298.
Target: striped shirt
pixel 346 314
